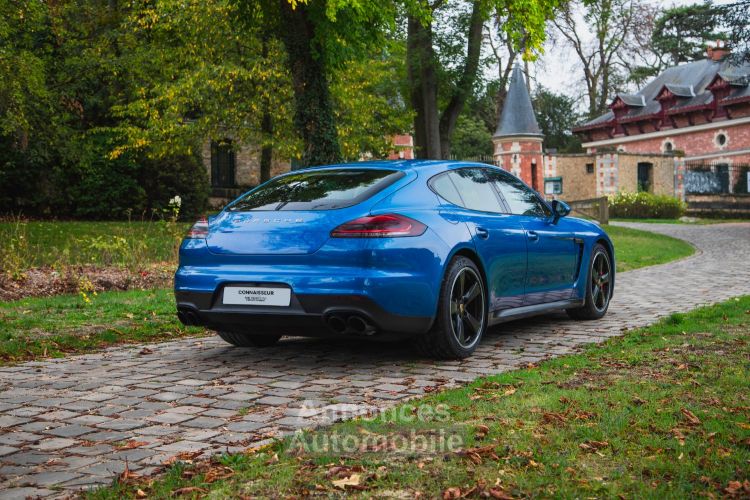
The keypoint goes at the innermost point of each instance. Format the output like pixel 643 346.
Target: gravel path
pixel 68 422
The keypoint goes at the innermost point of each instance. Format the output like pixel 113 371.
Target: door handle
pixel 533 235
pixel 483 233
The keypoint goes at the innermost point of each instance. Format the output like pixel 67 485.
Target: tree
pixel 319 37
pixel 680 34
pixel 736 21
pixel 557 115
pixel 471 139
pixel 612 23
pixel 442 81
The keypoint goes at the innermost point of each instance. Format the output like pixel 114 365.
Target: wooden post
pixel 603 210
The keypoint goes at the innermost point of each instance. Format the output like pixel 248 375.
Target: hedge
pixel 645 206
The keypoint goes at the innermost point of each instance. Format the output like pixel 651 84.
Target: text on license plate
pixel 257 296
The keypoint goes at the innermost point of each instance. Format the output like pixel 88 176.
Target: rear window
pixel 317 190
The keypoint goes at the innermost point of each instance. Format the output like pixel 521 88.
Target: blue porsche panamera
pixel 437 251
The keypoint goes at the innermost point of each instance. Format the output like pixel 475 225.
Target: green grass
pixel 635 248
pixel 663 412
pixel 56 243
pixel 697 221
pixel 53 326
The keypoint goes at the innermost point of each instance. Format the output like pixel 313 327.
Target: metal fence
pixel 718 178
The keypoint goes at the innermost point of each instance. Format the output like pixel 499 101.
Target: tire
pixel 598 286
pixel 243 340
pixel 462 313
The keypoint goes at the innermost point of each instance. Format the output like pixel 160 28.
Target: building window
pixel 645 177
pixel 553 185
pixel 667 147
pixel 721 139
pixel 222 163
pixel 589 168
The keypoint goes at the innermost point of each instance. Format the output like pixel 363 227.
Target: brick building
pixel 517 142
pixel 685 132
pixel 699 111
pixel 518 148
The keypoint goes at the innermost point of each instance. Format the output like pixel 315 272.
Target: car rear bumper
pixel 307 315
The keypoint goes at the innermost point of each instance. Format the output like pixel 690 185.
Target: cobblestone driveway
pixel 64 422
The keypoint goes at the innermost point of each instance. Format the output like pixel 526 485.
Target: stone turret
pixel 518 139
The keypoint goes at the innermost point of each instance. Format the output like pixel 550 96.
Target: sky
pixel 557 69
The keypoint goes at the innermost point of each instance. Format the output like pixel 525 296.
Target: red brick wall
pixel 697 143
pixel 518 156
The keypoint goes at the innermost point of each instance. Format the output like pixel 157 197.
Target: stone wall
pixel 247 164
pixel 663 173
pixel 612 172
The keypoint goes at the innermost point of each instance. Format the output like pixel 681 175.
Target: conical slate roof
pixel 517 117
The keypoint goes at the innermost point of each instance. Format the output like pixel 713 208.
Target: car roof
pixel 404 165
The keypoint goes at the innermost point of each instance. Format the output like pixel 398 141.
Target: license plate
pixel 257 296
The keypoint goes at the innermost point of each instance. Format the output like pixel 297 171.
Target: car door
pixel 553 251
pixel 499 238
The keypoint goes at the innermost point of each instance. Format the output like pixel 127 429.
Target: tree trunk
pixel 313 114
pixel 266 152
pixel 266 129
pixel 466 83
pixel 421 62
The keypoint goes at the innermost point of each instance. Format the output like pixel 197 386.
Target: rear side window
pixel 521 199
pixel 317 190
pixel 467 187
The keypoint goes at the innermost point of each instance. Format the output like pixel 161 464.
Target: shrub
pixel 86 183
pixel 645 206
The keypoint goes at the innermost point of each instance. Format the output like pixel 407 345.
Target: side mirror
pixel 559 209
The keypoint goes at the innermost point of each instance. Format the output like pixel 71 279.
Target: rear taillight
pixel 199 230
pixel 379 226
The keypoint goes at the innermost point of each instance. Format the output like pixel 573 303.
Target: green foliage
pixel 471 138
pixel 557 115
pixel 681 33
pixel 645 205
pixel 136 244
pixel 368 105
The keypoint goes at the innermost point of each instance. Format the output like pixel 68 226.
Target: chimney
pixel 717 51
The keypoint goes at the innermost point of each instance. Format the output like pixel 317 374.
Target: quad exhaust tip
pixel 353 324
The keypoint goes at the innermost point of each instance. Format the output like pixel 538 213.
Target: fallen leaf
pixel 690 417
pixel 145 351
pixel 129 445
pixel 216 473
pixel 452 493
pixel 499 494
pixel 127 475
pixel 140 494
pixel 188 489
pixel 593 445
pixel 351 481
pixel 510 391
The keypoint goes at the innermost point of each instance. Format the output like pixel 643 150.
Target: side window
pixel 521 199
pixel 475 190
pixel 444 187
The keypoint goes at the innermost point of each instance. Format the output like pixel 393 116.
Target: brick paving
pixel 63 422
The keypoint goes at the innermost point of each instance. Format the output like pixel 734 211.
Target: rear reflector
pixel 379 226
pixel 199 230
